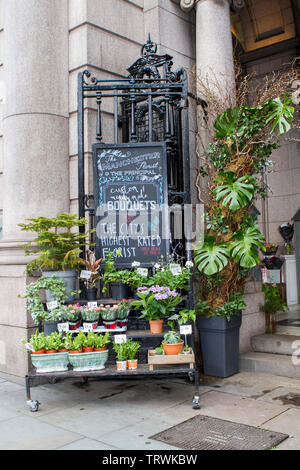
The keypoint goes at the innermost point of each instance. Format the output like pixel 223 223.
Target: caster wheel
pixel 196 402
pixel 192 377
pixel 52 380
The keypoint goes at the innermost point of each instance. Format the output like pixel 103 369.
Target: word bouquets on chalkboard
pixel 131 202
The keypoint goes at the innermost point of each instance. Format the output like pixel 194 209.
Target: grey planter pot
pixel 49 327
pixel 69 278
pixel 219 340
pixel 119 290
pixel 88 361
pixel 53 362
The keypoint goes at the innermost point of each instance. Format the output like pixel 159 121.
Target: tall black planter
pixel 219 340
pixel 119 290
pixel 91 294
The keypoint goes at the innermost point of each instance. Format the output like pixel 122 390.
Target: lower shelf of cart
pixel 111 371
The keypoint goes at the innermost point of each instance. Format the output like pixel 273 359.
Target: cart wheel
pixel 52 380
pixel 192 376
pixel 33 405
pixel 196 404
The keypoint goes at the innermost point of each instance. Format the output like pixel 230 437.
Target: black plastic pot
pixel 50 327
pixel 219 341
pixel 119 290
pixel 92 294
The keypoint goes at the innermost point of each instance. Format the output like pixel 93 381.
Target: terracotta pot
pixel 156 326
pixel 121 365
pixel 51 351
pixel 75 352
pixel 88 349
pixel 100 349
pixel 63 350
pixel 172 349
pixel 132 364
pixel 40 351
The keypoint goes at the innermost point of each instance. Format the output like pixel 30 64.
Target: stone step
pixel 275 344
pixel 275 364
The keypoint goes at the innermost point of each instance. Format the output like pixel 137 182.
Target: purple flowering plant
pixel 156 302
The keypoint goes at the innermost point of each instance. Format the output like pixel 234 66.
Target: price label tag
pixel 92 304
pixel 28 346
pixel 120 339
pixel 85 275
pixel 63 326
pixel 175 269
pixel 186 329
pixel 52 305
pixel 88 327
pixel 142 271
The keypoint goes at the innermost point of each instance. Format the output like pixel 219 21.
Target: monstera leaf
pixel 212 257
pixel 281 113
pixel 235 192
pixel 244 244
pixel 226 124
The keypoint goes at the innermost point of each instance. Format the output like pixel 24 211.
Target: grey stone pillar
pixel 36 168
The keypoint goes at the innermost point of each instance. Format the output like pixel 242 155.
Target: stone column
pixel 36 171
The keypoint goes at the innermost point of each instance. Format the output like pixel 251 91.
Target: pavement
pixel 122 414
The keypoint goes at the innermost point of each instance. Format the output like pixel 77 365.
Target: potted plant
pixel 88 342
pixel 271 306
pixel 172 343
pixel 36 343
pixel 92 265
pixel 132 348
pixel 159 351
pixel 186 349
pixel 109 316
pixel 117 279
pixel 156 303
pixel 121 356
pixel 233 161
pixel 75 345
pixel 52 361
pixel 166 275
pixel 71 314
pixel 270 249
pixel 90 316
pixel 58 247
pixel 122 313
pixel 89 359
pixel 101 342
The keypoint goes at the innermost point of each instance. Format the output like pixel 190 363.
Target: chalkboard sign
pixel 131 202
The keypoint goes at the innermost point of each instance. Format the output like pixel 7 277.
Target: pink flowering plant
pixel 156 302
pixel 70 312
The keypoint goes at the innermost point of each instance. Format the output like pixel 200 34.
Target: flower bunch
pixel 70 312
pixel 89 314
pixel 108 312
pixel 156 302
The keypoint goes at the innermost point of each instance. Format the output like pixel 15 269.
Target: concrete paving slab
pixel 259 381
pixel 289 423
pixel 10 387
pixel 283 395
pixel 6 413
pixel 87 444
pixel 232 408
pixel 237 390
pixel 24 433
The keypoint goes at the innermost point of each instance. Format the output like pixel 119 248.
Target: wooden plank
pixel 169 360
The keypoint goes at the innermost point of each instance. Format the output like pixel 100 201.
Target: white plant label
pixel 92 304
pixel 85 275
pixel 120 339
pixel 186 329
pixel 142 271
pixel 63 326
pixel 52 305
pixel 88 327
pixel 175 269
pixel 28 346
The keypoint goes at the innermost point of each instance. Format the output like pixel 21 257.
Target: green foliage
pixel 90 314
pixel 123 310
pixel 92 265
pixel 235 306
pixel 172 337
pixel 77 342
pixel 89 339
pixel 156 302
pixel 121 351
pixel 159 350
pixel 184 316
pixel 37 341
pixel 273 302
pixel 56 243
pixel 132 348
pixel 280 114
pixel 212 257
pixel 243 245
pixel 226 124
pixel 34 303
pixel 54 341
pixel 101 341
pixel 234 192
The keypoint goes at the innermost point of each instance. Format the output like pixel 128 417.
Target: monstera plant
pixel 234 161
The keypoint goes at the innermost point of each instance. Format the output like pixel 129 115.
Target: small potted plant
pixel 156 303
pixel 101 342
pixel 117 279
pixel 51 319
pixel 90 316
pixel 132 348
pixel 121 355
pixel 72 315
pixel 109 316
pixel 52 361
pixel 75 347
pixel 159 351
pixel 272 305
pixel 92 265
pixel 36 343
pixel 186 349
pixel 172 343
pixel 270 249
pixel 122 313
pixel 88 342
pixel 89 359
